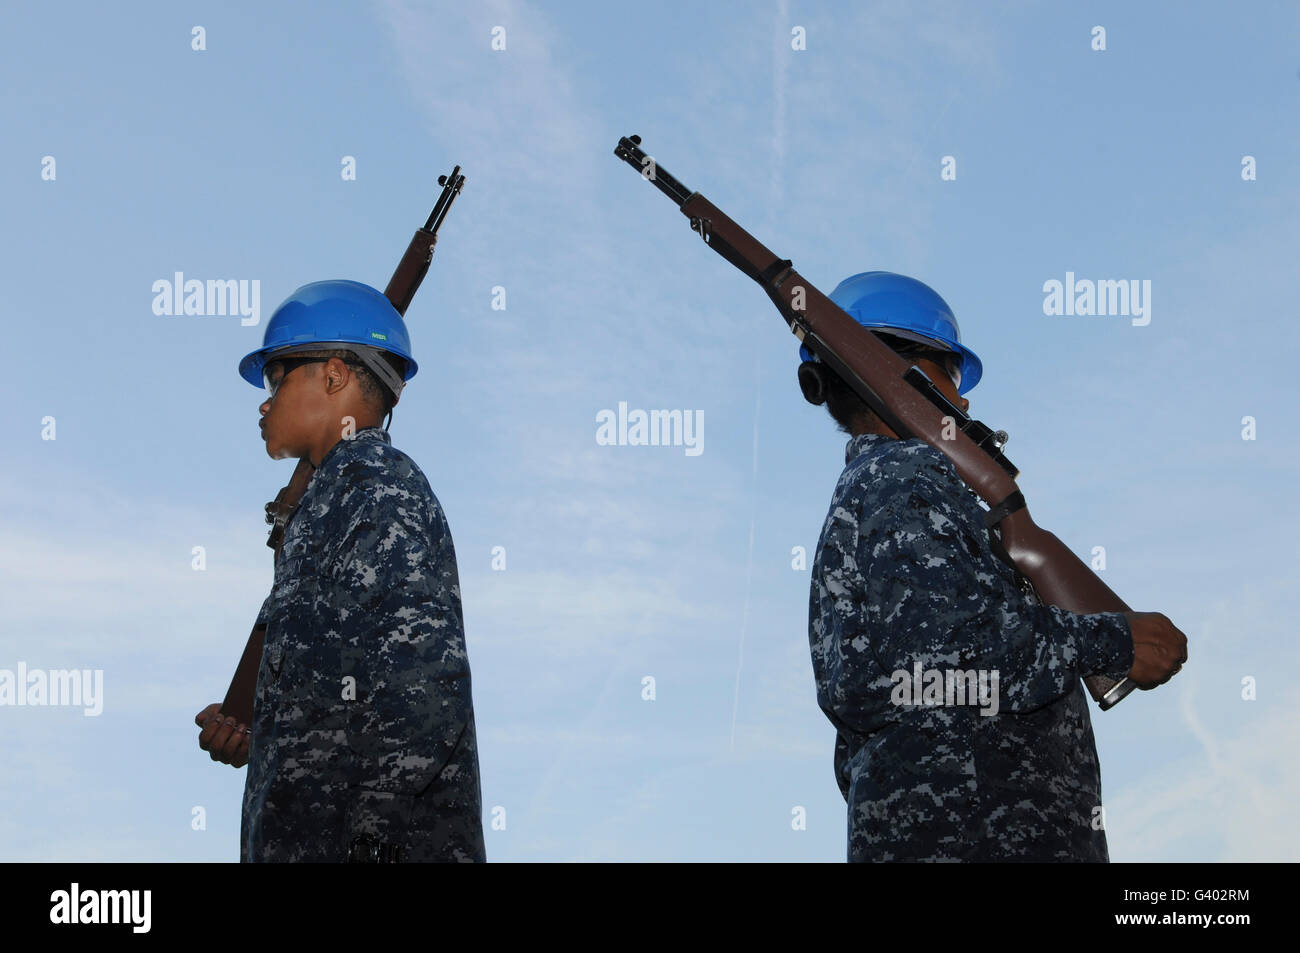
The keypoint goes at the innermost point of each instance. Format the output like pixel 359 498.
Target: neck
pixel 325 443
pixel 877 427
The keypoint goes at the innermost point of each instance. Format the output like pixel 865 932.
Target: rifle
pixel 908 401
pixel 401 289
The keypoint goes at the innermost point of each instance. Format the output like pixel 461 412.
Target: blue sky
pixel 623 561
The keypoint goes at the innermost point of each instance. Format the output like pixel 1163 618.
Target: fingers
pixel 225 739
pixel 221 738
pixel 216 735
pixel 1150 665
pixel 236 740
pixel 241 756
pixel 1155 664
pixel 210 727
pixel 1178 649
pixel 1159 649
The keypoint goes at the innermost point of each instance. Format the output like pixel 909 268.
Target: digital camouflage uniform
pixel 904 574
pixel 366 589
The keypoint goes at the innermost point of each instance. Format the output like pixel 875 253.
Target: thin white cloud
pixel 1233 802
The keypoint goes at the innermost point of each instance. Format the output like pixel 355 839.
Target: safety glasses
pixel 274 372
pixel 944 359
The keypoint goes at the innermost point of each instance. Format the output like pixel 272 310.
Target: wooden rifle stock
pixel 403 285
pixel 239 697
pixel 910 404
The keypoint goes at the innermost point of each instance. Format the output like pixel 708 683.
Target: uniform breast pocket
pixel 274 655
pixel 268 681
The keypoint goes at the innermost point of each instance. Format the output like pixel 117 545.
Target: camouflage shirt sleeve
pixel 924 552
pixel 395 569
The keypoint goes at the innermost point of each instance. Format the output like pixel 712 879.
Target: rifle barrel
pixel 451 186
pixel 629 150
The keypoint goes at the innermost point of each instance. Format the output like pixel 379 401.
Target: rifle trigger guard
pixel 1016 501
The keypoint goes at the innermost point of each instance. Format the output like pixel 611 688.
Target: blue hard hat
pixel 338 312
pixel 905 308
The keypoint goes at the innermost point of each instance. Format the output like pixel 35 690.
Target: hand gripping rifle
pixel 401 289
pixel 910 404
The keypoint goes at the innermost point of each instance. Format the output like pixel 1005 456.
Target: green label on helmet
pixel 378 337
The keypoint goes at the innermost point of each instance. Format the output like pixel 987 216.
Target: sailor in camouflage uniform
pixel 363 741
pixel 905 579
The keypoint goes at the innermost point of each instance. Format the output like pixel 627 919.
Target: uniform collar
pixel 863 443
pixel 866 443
pixel 348 446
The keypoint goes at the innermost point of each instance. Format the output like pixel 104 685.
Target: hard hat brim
pixel 250 367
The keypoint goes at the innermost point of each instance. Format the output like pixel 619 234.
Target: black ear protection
pixel 812 381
